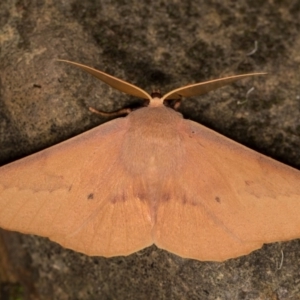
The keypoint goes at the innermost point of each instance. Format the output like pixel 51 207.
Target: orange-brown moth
pixel 152 177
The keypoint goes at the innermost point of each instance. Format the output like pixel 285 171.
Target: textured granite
pixel 163 45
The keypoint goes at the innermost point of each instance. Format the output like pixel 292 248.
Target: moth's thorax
pixel 153 142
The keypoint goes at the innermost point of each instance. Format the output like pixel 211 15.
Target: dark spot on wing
pixel 184 199
pixel 70 187
pixel 90 196
pixel 248 182
pixel 141 195
pixel 165 197
pixel 193 202
pixel 218 199
pixel 121 197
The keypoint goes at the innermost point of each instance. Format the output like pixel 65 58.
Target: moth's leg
pixel 173 103
pixel 177 104
pixel 118 113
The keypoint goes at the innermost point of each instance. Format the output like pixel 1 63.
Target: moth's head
pixel 157 100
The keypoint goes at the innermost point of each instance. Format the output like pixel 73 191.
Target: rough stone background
pixel 165 44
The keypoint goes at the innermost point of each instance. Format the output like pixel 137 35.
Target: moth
pixel 152 177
